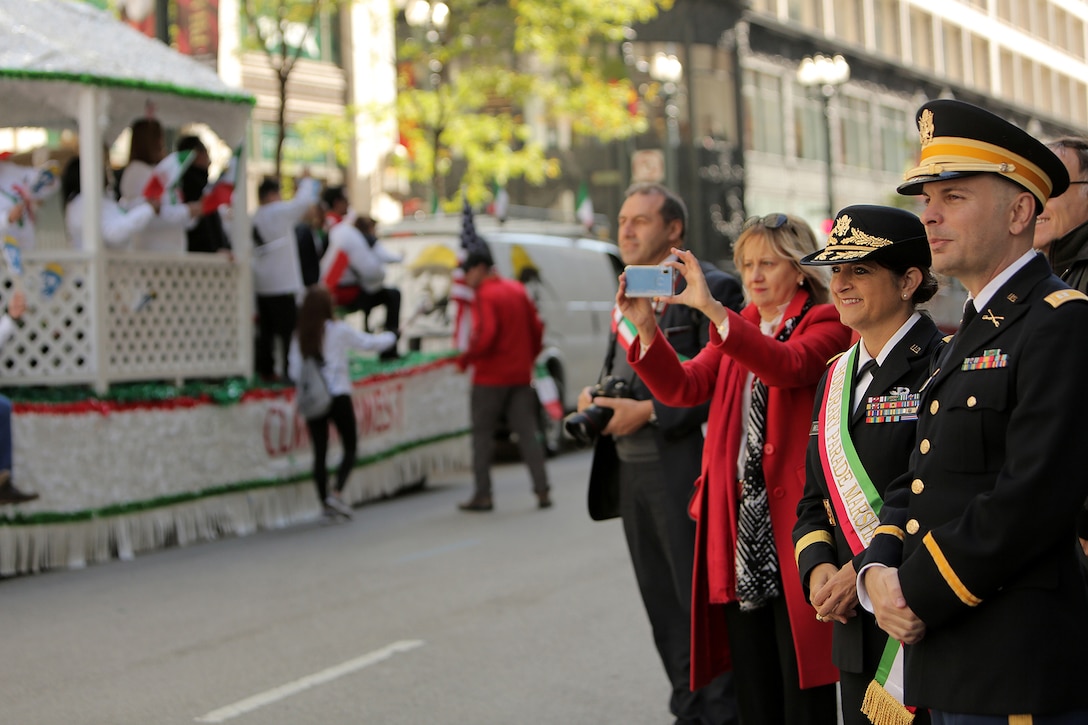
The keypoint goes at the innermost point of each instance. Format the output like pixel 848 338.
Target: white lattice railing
pixel 162 317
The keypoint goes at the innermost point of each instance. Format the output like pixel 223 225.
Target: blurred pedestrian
pixel 118 226
pixel 207 234
pixel 311 239
pixel 167 231
pixel 507 336
pixel 322 338
pixel 277 277
pixel 353 266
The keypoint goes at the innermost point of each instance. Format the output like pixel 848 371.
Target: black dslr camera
pixel 584 427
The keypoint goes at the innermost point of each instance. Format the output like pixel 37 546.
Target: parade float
pixel 136 418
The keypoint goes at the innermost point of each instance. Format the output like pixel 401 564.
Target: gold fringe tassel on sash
pixel 882 708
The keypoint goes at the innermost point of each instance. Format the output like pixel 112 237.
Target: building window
pixel 921 39
pixel 886 22
pixel 897 141
pixel 980 62
pixel 1007 88
pixel 856 143
pixel 1079 110
pixel 763 113
pixel 953 52
pixel 850 21
pixel 810 128
pixel 806 13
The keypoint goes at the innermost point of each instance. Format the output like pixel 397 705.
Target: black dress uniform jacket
pixel 884 450
pixel 982 526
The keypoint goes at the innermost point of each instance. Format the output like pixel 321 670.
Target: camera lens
pixel 584 427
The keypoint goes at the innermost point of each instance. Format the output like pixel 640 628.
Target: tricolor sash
pixel 626 332
pixel 857 507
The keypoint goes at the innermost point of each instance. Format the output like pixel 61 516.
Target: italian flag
pixel 220 192
pixel 500 202
pixel 584 206
pixel 164 179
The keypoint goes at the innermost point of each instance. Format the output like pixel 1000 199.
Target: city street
pixel 412 613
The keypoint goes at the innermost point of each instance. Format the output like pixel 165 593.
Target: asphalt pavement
pixel 414 612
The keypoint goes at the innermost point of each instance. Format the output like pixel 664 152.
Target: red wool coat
pixel 791 371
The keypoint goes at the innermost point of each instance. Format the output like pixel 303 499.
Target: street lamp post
pixel 431 18
pixel 668 70
pixel 827 73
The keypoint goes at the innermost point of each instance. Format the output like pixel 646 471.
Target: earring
pixel 801 282
pixel 904 296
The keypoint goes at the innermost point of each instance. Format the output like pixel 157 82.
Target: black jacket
pixel 1069 258
pixel 981 527
pixel 678 434
pixel 884 449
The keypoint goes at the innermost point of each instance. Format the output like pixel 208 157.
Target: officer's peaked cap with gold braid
pixel 959 139
pixel 863 232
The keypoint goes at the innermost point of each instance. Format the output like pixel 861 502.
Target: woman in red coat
pixel 759 371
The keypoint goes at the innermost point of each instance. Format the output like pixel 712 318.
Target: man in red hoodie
pixel 507 335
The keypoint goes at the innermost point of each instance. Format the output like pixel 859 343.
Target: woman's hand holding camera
pixel 696 293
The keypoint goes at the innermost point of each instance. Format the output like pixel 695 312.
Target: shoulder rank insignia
pixel 947 338
pixel 1059 298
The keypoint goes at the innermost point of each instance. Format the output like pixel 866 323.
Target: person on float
pixel 117 225
pixel 863 427
pixel 329 341
pixel 22 190
pixel 167 231
pixel 759 371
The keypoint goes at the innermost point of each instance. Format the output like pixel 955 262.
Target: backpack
pixel 312 396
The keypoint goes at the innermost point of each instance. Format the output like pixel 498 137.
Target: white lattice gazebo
pixel 130 315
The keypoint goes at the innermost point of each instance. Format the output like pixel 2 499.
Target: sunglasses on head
pixel 771 221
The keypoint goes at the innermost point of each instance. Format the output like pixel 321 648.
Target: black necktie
pixel 969 313
pixel 870 364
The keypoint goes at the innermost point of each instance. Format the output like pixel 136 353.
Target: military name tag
pixel 987 360
pixel 901 405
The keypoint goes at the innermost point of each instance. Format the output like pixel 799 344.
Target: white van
pixel 573 280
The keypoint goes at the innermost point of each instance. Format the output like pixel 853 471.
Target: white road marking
pixel 318 678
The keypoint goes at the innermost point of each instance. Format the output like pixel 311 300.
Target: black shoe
pixel 9 494
pixel 543 501
pixel 477 503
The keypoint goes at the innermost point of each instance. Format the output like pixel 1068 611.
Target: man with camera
pixel 647 455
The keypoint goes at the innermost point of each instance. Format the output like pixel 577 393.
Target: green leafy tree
pixel 465 91
pixel 281 30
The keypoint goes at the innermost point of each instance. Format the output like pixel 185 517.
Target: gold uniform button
pixel 934 407
pixel 972 401
pixel 917 486
pixel 924 446
pixel 913 526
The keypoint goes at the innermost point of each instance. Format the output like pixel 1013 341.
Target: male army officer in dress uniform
pixel 974 565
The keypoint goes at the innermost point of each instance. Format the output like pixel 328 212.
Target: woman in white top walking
pixel 327 340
